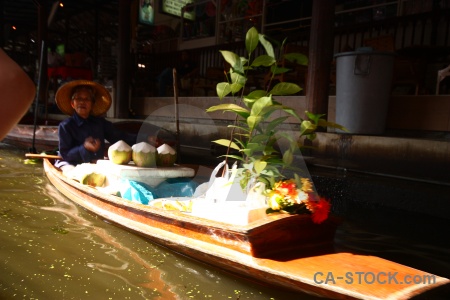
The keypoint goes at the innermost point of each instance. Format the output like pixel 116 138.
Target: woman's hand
pixel 92 144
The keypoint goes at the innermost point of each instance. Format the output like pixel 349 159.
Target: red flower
pixel 320 210
pixel 287 188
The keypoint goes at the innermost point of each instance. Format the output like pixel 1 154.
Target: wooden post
pixel 122 96
pixel 177 115
pixel 320 56
pixel 42 37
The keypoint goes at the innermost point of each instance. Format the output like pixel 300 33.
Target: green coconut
pixel 120 153
pixel 144 155
pixel 167 156
pixel 93 179
pixel 87 174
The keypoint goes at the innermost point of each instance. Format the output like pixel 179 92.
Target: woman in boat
pixel 82 136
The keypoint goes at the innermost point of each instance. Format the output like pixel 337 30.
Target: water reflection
pixel 53 249
pixel 118 255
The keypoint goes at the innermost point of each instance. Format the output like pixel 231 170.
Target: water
pixel 53 249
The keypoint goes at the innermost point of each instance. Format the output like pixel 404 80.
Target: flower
pixel 320 210
pixel 287 197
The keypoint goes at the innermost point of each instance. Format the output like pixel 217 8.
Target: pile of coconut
pixel 143 154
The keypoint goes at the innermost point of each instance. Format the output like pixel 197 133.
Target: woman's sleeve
pixel 68 148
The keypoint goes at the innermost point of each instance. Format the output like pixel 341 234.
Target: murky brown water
pixel 51 248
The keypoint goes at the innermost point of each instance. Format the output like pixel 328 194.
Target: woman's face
pixel 82 102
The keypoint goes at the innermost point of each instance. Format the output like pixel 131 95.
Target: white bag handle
pixel 216 170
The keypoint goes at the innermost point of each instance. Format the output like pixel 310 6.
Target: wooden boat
pixel 46 136
pixel 280 250
pixel 22 135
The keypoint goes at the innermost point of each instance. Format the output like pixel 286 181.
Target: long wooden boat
pixel 284 251
pixel 22 135
pixel 46 136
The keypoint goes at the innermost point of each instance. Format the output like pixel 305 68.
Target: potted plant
pixel 256 132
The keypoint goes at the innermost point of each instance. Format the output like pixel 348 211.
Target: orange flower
pixel 285 195
pixel 287 188
pixel 274 200
pixel 306 185
pixel 320 210
pixel 302 197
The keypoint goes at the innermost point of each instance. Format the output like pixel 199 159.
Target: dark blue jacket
pixel 74 130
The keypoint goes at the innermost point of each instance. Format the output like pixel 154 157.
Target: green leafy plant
pixel 256 132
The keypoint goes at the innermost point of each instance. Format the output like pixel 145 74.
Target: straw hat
pixel 99 107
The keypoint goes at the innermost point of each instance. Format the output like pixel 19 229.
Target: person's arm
pixel 72 149
pixel 17 92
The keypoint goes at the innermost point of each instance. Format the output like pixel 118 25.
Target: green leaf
pixel 238 78
pixel 255 146
pixel 223 89
pixel 290 111
pixel 297 58
pixel 227 143
pixel 253 121
pixel 235 87
pixel 274 123
pixel 288 157
pixel 276 70
pixel 251 39
pixel 263 60
pixel 314 117
pixel 230 107
pixel 307 127
pixel 260 104
pixel 285 88
pixel 230 57
pixel 244 62
pixel 256 94
pixel 311 136
pixel 244 129
pixel 325 123
pixel 267 45
pixel 259 166
pixel 234 60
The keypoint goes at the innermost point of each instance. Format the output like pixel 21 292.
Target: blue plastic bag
pixel 136 191
pixel 176 187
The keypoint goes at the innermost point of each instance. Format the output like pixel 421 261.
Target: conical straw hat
pixel 99 107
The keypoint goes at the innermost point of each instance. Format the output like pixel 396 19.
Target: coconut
pixel 93 179
pixel 144 155
pixel 120 153
pixel 87 174
pixel 166 156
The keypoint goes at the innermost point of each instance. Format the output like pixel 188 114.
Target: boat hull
pixel 240 249
pixel 45 138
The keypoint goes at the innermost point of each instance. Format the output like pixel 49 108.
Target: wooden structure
pixel 45 138
pixel 280 250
